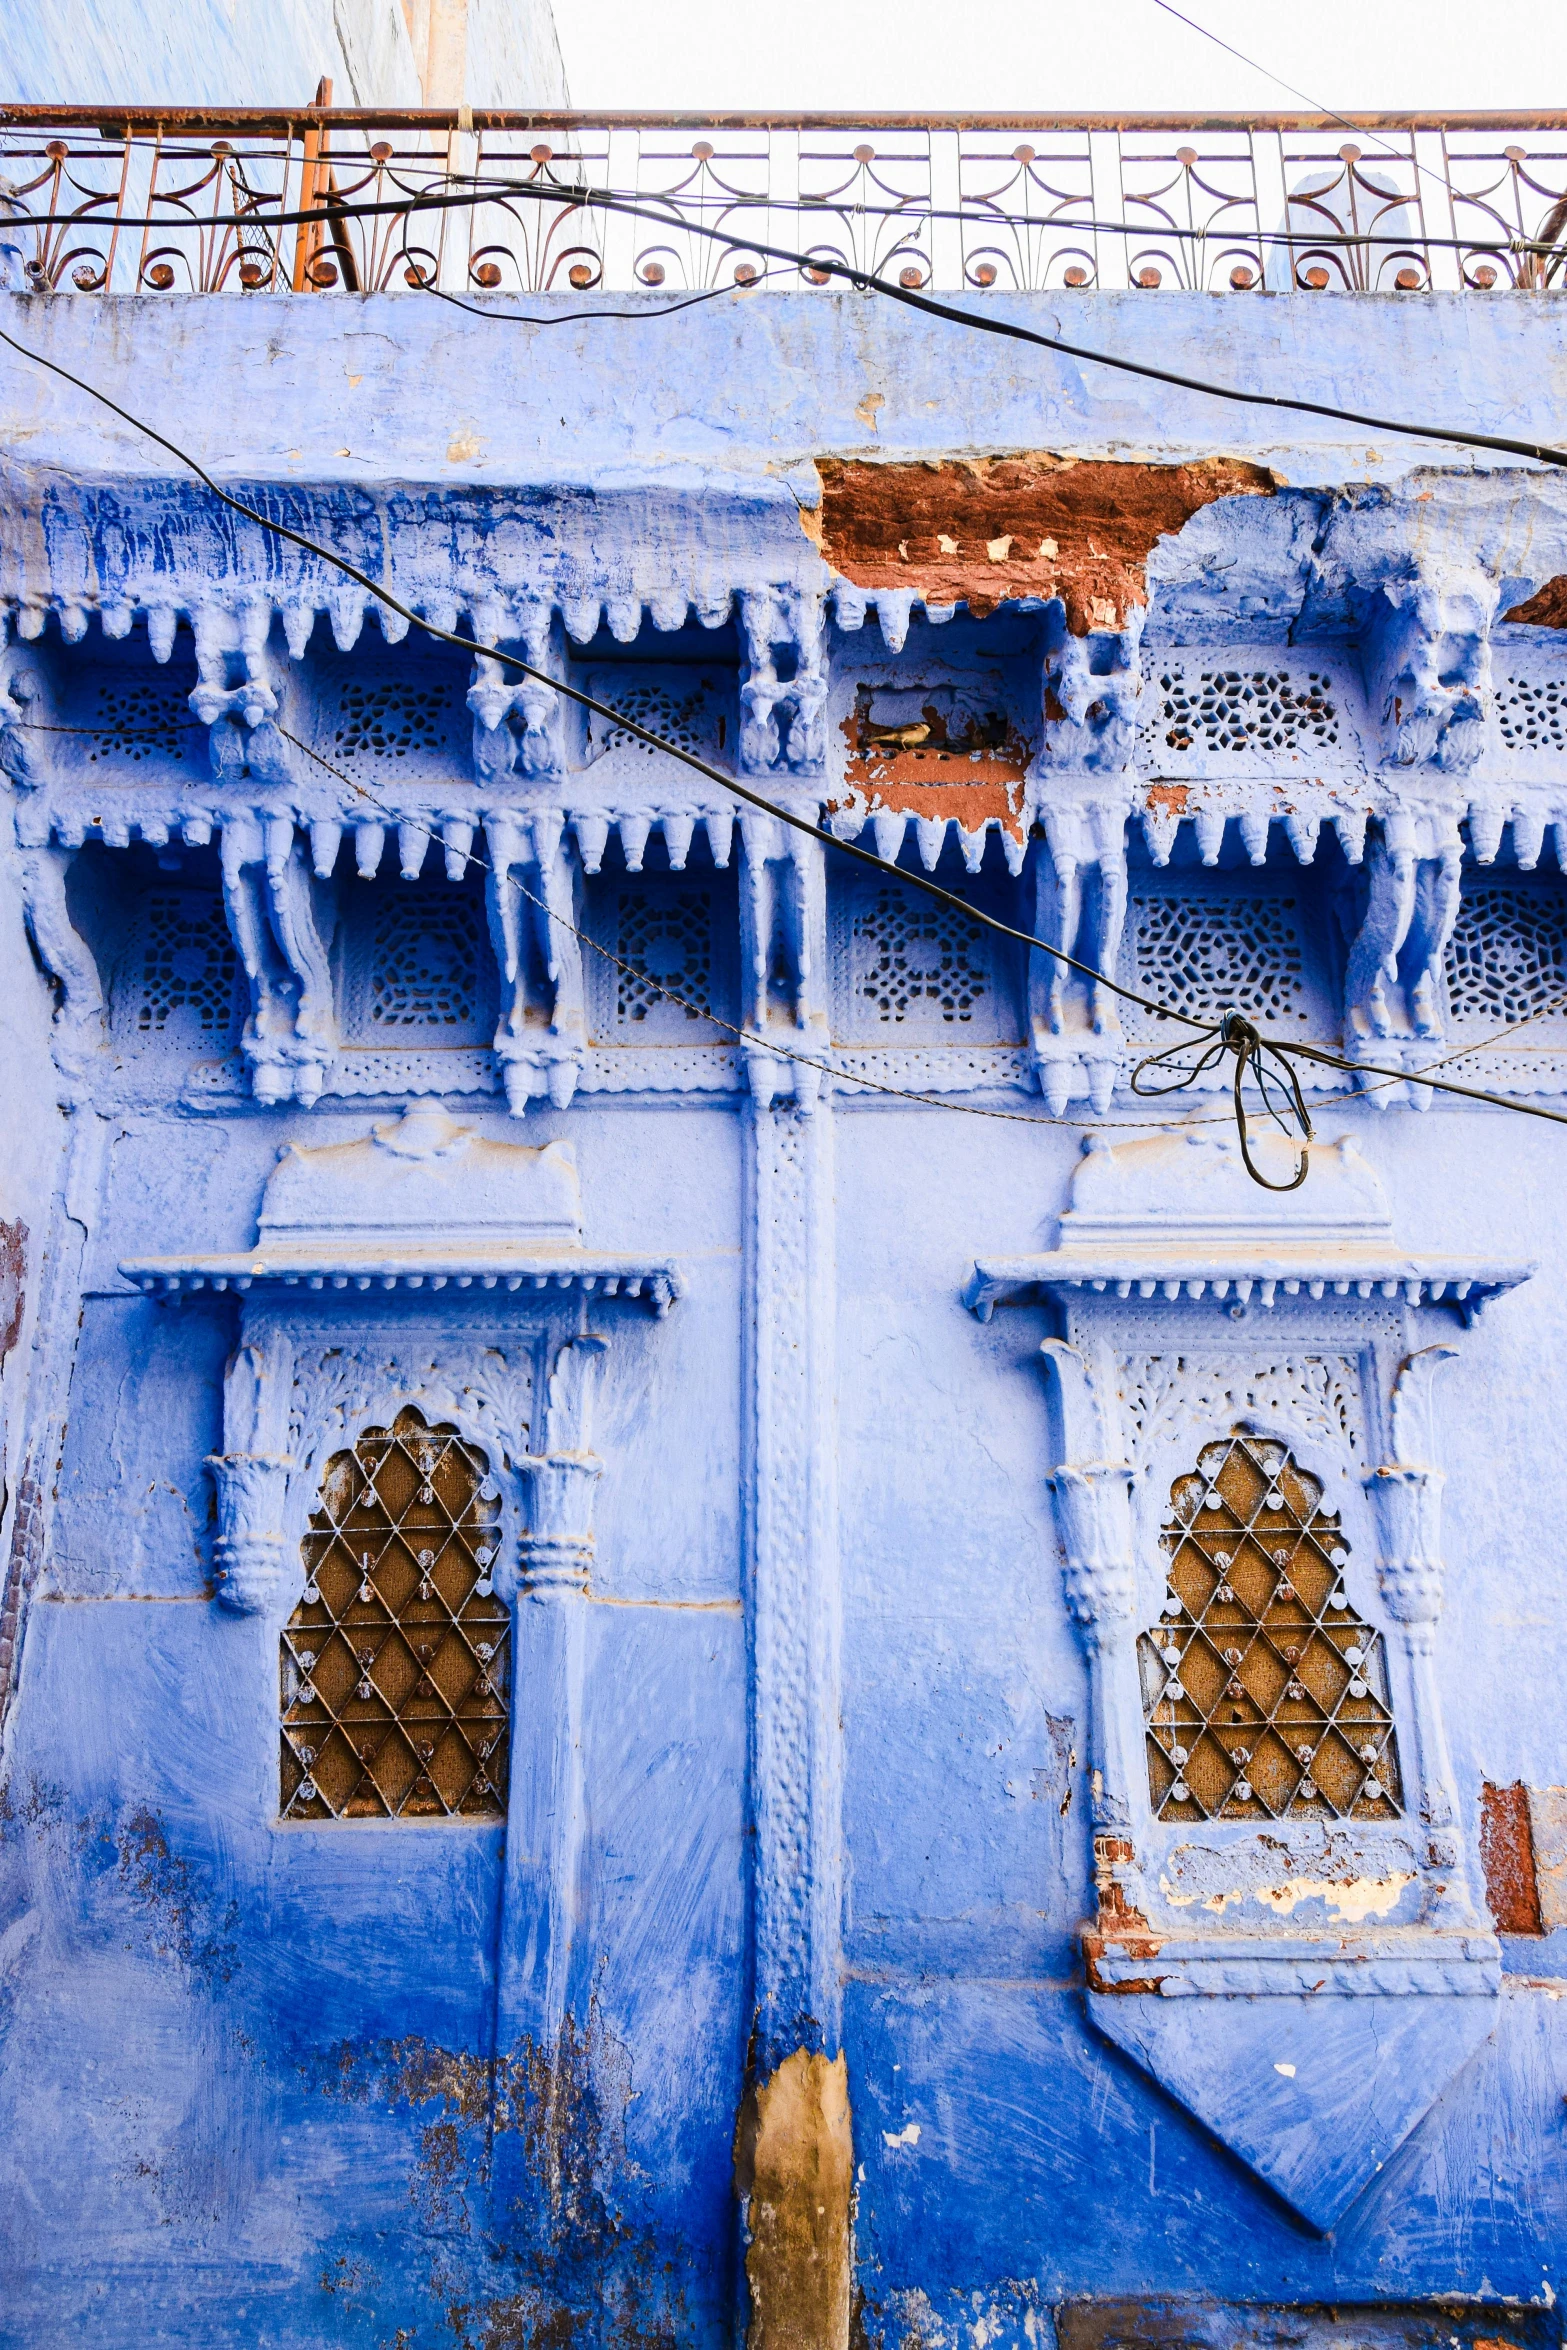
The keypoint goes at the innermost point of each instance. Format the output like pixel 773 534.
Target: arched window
pixel 396 1662
pixel 1264 1694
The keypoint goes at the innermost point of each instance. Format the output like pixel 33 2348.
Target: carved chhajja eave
pixel 418 1203
pixel 1214 1234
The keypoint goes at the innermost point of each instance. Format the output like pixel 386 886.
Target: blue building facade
pixel 702 1641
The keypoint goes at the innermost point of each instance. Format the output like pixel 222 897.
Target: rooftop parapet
pixel 171 199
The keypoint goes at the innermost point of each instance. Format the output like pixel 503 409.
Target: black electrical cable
pixel 1234 1031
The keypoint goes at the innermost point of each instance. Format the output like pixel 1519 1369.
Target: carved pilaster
pixel 796 1755
pixel 250 1561
pixel 1093 1498
pixel 783 958
pixel 542 1894
pixel 1406 1500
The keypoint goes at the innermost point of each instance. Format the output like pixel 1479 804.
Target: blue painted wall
pixel 242 2061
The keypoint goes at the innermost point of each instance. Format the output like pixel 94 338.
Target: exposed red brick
pixel 981 530
pixel 921 770
pixel 1507 1856
pixel 1546 610
pixel 13 1266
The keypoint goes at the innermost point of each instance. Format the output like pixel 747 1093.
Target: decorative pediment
pixel 418 1201
pixel 1176 1215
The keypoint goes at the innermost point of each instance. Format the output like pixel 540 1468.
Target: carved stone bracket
pixel 783 959
pixel 281 920
pixel 784 685
pixel 250 1553
pixel 252 1565
pixel 1393 978
pixel 1427 660
pixel 535 917
pixel 517 722
pixel 1080 905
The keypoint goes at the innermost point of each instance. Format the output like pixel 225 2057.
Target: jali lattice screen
pixel 1264 1693
pixel 396 1662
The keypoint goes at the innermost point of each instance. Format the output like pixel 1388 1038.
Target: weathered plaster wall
pixel 244 2062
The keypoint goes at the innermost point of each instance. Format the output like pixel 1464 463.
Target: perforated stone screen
pixel 917 964
pixel 1236 710
pixel 179 977
pixel 1507 957
pixel 682 713
pixel 1221 949
pixel 664 936
pixel 135 718
pixel 418 966
pixel 396 1664
pixel 1265 1694
pixel 1531 713
pixel 391 718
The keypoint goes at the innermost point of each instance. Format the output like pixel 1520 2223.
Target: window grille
pixel 1531 713
pixel 181 975
pixel 916 964
pixel 140 718
pixel 685 717
pixel 1232 710
pixel 396 1662
pixel 1220 950
pixel 419 963
pixel 390 718
pixel 1265 1694
pixel 1507 957
pixel 668 936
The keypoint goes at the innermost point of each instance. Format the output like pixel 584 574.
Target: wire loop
pixel 1254 1055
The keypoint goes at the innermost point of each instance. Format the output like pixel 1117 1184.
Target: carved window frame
pixel 1172 1453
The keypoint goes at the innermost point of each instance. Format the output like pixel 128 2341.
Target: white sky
pixel 1072 56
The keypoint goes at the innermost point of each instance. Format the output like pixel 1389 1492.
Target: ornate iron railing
pixel 129 200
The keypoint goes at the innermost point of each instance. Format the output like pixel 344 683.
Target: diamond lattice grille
pixel 396 1662
pixel 1265 1695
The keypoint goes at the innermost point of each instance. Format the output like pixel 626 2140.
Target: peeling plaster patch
pixel 1288 2070
pixel 1507 1857
pixel 463 448
pixel 1547 609
pixel 1347 1903
pixel 1039 526
pixel 866 409
pixel 909 2135
pixel 794 2161
pixel 13 1258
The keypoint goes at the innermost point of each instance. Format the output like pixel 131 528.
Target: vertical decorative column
pixel 1093 1498
pixel 541 1897
pixel 1406 1501
pixel 793 1611
pixel 250 1565
pixel 796 1737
